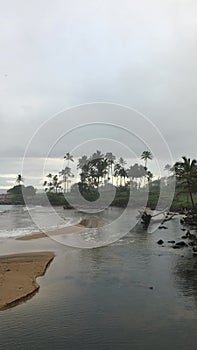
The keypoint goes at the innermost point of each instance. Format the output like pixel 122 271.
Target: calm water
pixel 101 298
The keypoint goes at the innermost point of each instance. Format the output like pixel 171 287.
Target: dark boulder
pixel 160 241
pixel 176 246
pixel 180 244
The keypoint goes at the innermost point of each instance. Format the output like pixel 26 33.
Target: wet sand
pixel 18 273
pixel 60 231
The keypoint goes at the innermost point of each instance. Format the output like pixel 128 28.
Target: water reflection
pixel 186 275
pixel 101 298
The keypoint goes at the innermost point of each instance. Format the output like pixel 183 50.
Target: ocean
pixel 19 220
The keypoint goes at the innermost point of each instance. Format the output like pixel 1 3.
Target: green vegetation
pixel 145 156
pixel 186 173
pixel 98 173
pixel 16 193
pixel 22 190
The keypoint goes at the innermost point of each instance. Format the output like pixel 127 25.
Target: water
pixel 19 220
pixel 101 298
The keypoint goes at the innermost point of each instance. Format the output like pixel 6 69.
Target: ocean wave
pixel 24 231
pixel 18 232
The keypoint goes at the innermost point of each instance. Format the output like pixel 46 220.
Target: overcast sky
pixel 58 54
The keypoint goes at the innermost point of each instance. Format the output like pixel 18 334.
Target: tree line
pixel 98 170
pixel 104 169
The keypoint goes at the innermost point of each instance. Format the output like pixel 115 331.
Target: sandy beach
pixel 18 273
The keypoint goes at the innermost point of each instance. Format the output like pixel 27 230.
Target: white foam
pixel 17 232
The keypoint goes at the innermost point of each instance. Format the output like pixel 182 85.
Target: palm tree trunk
pixel 112 175
pixel 191 197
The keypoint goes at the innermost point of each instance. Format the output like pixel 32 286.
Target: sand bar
pixel 59 231
pixel 81 227
pixel 18 273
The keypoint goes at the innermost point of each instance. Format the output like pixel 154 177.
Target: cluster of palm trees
pixel 59 182
pixel 100 169
pixel 186 174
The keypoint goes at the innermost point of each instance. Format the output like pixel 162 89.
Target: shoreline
pixel 18 273
pixel 58 231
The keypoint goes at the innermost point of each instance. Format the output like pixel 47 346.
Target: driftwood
pixel 146 217
pixel 168 218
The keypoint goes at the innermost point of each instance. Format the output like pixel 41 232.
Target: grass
pixel 121 199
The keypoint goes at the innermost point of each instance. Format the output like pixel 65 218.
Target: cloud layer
pixel 55 55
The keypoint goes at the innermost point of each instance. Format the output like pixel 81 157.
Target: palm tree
pixel 120 173
pixel 85 172
pixel 110 159
pixel 122 162
pixel 53 184
pixel 66 173
pixel 102 166
pixel 145 156
pixel 186 172
pixel 149 176
pixel 97 155
pixel 56 183
pixel 97 168
pixel 49 183
pixel 136 171
pixel 19 179
pixel 117 168
pixel 82 162
pixel 69 158
pixel 167 168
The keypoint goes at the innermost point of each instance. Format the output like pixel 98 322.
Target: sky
pixel 56 55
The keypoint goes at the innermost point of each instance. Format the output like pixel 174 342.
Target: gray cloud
pixel 58 54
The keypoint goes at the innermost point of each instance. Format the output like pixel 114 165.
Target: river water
pixel 132 294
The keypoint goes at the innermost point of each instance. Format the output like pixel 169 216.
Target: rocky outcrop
pixel 5 199
pixel 91 222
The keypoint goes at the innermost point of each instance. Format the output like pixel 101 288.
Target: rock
pixel 191 244
pixel 91 222
pixel 176 247
pixel 160 241
pixel 150 287
pixel 180 244
pixel 162 226
pixel 192 237
pixel 171 242
pixel 183 229
pixel 184 237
